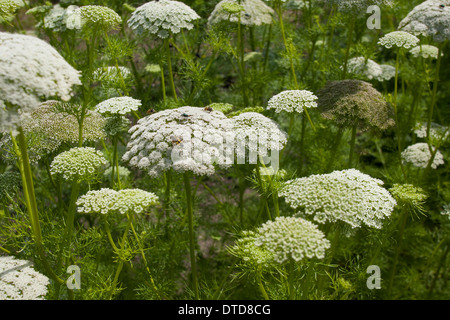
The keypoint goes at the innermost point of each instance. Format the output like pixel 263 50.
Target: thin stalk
pixel 291 278
pixel 397 124
pixel 434 94
pixel 169 64
pixel 163 85
pixel 241 62
pixel 336 142
pixel 347 49
pixel 352 147
pixel 261 285
pixel 187 187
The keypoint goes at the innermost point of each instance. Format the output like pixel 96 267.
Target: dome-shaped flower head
pixel 356 6
pixel 56 18
pixel 93 18
pixel 439 134
pixel 398 39
pixel 446 210
pixel 82 163
pixel 257 134
pixel 354 103
pixel 30 69
pixel 107 201
pixel 367 68
pixel 425 51
pixel 52 127
pixel 184 139
pixel 408 194
pixel 292 101
pixel 419 155
pixel 251 13
pixel 431 18
pixel 19 280
pixel 118 106
pixel 7 8
pixel 101 201
pixel 292 238
pixel 348 195
pixel 387 73
pixel 162 18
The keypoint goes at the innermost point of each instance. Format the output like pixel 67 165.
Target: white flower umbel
pixel 82 163
pixel 186 139
pixel 387 72
pixel 257 134
pixel 30 68
pixel 431 18
pixel 93 18
pixel 292 238
pixel 107 201
pixel 7 9
pixel 19 281
pixel 253 13
pixel 349 196
pixel 367 68
pixel 97 202
pixel 356 6
pixel 292 101
pixel 118 106
pixel 446 210
pixel 425 51
pixel 419 155
pixel 438 133
pixel 56 19
pixel 399 39
pixel 162 18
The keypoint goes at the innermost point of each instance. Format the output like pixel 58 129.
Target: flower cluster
pixel 107 201
pixel 257 134
pixel 82 163
pixel 425 51
pixel 7 8
pixel 118 106
pixel 291 238
pixel 387 72
pixel 56 19
pixel 30 69
pixel 438 133
pixel 429 19
pixel 367 68
pixel 162 18
pixel 419 155
pixel 349 196
pixel 354 103
pixel 19 281
pixel 93 17
pixel 399 39
pixel 446 210
pixel 357 6
pixel 251 13
pixel 408 193
pixel 292 101
pixel 9 182
pixel 184 139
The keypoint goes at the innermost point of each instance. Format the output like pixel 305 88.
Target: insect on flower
pixel 151 111
pixel 176 140
pixel 209 109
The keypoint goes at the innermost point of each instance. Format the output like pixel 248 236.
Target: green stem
pixel 403 220
pixel 241 62
pixel 397 124
pixel 291 279
pixel 261 286
pixel 347 49
pixel 434 94
pixel 169 64
pixel 333 153
pixel 352 147
pixel 163 85
pixel 187 187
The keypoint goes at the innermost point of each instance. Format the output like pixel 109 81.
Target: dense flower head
pixel 251 13
pixel 162 18
pixel 81 163
pixel 419 155
pixel 425 51
pixel 387 72
pixel 184 139
pixel 7 8
pixel 292 101
pixel 439 134
pixel 367 68
pixel 292 238
pixel 408 193
pixel 430 19
pixel 257 134
pixel 107 201
pixel 348 195
pixel 19 280
pixel 252 256
pixel 30 68
pixel 9 182
pixel 446 210
pixel 93 17
pixel 354 103
pixel 118 106
pixel 399 39
pixel 56 18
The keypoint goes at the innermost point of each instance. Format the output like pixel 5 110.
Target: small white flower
pixel 253 13
pixel 419 155
pixel 292 101
pixel 118 106
pixel 367 68
pixel 399 39
pixel 425 51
